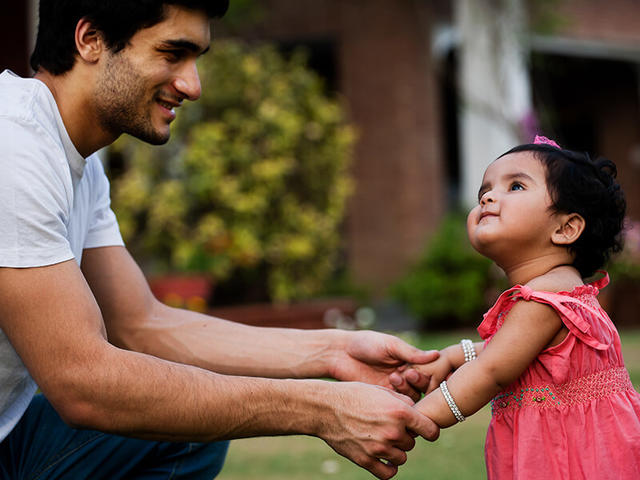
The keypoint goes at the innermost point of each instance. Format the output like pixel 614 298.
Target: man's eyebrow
pixel 186 45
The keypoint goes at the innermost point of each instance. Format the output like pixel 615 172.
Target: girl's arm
pixel 527 330
pixel 451 358
pixel 455 354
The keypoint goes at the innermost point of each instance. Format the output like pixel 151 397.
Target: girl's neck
pixel 523 273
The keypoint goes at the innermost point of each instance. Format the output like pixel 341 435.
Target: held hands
pixel 381 359
pixel 437 370
pixel 374 427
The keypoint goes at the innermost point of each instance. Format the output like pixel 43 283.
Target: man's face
pixel 140 86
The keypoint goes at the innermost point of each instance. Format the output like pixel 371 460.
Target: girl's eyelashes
pixel 515 186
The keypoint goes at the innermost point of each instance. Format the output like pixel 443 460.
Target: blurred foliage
pixel 625 266
pixel 253 182
pixel 451 285
pixel 242 14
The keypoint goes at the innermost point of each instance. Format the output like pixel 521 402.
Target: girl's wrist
pixel 454 355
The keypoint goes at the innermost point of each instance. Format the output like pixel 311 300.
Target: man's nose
pixel 187 82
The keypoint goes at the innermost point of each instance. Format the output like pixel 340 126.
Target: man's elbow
pixel 76 397
pixel 78 415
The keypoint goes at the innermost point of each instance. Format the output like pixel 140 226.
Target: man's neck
pixel 76 109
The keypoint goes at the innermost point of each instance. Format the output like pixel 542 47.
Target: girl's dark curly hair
pixel 578 184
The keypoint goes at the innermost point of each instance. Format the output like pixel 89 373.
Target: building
pixel 399 67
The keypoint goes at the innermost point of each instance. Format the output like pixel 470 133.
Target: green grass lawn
pixel 458 454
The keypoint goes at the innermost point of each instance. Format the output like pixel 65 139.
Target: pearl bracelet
pixel 468 349
pixel 452 405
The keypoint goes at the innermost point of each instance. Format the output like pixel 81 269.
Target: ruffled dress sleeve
pixel 566 306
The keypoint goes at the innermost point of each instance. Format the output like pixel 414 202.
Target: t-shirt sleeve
pixel 103 226
pixel 35 199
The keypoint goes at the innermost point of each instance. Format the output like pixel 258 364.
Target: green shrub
pixel 253 183
pixel 451 284
pixel 625 266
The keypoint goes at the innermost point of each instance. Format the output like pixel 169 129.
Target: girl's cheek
pixel 472 219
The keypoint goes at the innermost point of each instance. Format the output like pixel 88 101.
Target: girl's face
pixel 513 220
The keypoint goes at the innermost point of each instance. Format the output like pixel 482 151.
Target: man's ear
pixel 569 229
pixel 89 41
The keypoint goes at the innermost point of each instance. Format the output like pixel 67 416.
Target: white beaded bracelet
pixel 468 349
pixel 452 405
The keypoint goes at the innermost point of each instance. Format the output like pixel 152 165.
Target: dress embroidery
pixel 583 389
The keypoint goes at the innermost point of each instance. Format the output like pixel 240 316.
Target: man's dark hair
pixel 117 20
pixel 578 184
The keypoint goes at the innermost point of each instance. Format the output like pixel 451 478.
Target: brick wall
pixel 387 78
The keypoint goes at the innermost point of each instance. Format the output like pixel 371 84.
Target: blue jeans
pixel 43 447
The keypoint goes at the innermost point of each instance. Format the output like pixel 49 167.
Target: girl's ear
pixel 569 230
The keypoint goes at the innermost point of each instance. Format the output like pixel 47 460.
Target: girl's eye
pixel 516 186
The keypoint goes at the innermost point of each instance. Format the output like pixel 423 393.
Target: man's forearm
pixel 140 395
pixel 232 348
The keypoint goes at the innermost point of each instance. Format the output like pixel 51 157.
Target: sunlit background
pixel 322 179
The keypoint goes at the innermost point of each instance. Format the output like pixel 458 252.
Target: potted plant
pixel 251 189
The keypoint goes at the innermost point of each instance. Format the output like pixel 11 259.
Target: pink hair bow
pixel 546 141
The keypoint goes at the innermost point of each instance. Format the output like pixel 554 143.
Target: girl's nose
pixel 487 197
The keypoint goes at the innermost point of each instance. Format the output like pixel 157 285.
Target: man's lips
pixel 168 106
pixel 169 103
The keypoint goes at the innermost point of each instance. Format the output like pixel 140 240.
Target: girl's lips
pixel 486 214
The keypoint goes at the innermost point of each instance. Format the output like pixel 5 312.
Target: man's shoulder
pixel 18 97
pixel 26 121
pixel 27 106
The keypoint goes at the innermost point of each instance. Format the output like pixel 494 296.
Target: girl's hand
pixel 436 371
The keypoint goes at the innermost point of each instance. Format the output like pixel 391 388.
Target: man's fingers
pixel 418 380
pixel 398 382
pixel 410 354
pixel 423 426
pixel 395 457
pixel 402 397
pixel 407 442
pixel 381 469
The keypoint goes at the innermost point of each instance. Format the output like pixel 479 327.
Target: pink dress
pixel 573 414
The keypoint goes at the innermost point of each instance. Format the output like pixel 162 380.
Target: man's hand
pixel 374 427
pixel 379 359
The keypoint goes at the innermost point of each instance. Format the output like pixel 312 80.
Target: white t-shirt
pixel 53 204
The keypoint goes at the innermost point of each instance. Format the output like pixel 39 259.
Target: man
pixel 128 383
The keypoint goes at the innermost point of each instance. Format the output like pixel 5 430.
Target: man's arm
pixel 136 321
pixel 55 325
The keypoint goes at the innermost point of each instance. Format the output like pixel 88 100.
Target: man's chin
pixel 152 137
